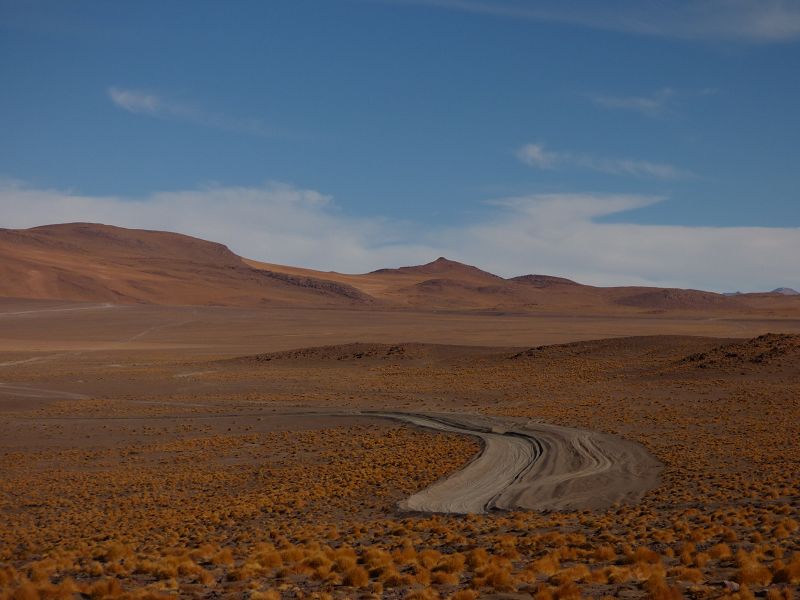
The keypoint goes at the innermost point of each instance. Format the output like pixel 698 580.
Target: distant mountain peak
pixel 785 291
pixel 444 262
pixel 440 266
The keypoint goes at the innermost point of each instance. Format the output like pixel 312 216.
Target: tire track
pixel 529 465
pixel 7 389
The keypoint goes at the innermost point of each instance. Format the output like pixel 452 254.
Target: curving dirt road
pixel 529 465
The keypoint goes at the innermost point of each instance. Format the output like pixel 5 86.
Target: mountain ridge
pixel 97 262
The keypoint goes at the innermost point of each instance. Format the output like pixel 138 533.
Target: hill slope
pixel 90 262
pixel 84 261
pixel 447 284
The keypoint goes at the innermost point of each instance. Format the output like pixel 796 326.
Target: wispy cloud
pixel 136 101
pixel 143 102
pixel 555 233
pixel 733 20
pixel 652 105
pixel 637 168
pixel 535 155
pixel 538 156
pixel 664 102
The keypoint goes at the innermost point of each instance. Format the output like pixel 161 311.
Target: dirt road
pixel 529 465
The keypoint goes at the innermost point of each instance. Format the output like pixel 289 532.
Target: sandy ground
pixel 535 466
pixel 29 329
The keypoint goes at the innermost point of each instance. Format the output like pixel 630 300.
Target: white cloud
pixel 638 168
pixel 536 155
pixel 275 222
pixel 555 234
pixel 135 101
pixel 651 106
pixel 761 21
pixel 661 103
pixel 147 103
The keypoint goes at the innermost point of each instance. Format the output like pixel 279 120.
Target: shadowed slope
pixel 447 284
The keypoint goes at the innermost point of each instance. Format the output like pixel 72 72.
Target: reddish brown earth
pixel 100 263
pixel 166 428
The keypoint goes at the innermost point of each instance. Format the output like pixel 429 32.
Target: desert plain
pixel 178 422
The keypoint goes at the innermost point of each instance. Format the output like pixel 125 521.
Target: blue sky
pixel 416 120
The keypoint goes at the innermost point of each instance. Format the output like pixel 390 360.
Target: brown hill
pixel 442 283
pixel 413 353
pixel 442 268
pixel 447 284
pixel 455 294
pixel 83 261
pixel 106 240
pixel 658 298
pixel 632 350
pixel 769 349
pixel 543 281
pixel 90 262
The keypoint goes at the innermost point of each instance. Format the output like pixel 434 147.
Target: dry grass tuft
pixel 751 571
pixel 495 575
pixel 658 589
pixel 789 573
pixel 356 577
pixel 464 595
pixel 720 551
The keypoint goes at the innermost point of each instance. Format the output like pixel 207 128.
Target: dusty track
pixel 57 309
pixel 529 465
pixel 7 389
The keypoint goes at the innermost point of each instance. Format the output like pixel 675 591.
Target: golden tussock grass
pixel 567 591
pixel 790 572
pixel 604 553
pixel 266 595
pixel 720 551
pixel 751 571
pixel 357 577
pixel 424 594
pixel 687 574
pixel 464 595
pixel 547 565
pixel 658 589
pixel 444 578
pixel 495 574
pixel 477 558
pixel 314 511
pixel 450 563
pixel 781 594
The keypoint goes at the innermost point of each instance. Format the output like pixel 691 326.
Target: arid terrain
pixel 177 421
pixel 101 263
